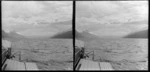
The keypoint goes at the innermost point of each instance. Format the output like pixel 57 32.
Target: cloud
pixel 24 15
pixel 116 18
pixel 92 9
pixel 20 8
pixel 120 11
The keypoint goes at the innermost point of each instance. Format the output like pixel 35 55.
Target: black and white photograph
pixel 75 35
pixel 34 35
pixel 111 35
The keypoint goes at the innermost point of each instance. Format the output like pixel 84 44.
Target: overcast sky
pixel 36 18
pixel 111 18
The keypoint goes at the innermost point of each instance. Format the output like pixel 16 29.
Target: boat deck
pixel 91 65
pixel 16 65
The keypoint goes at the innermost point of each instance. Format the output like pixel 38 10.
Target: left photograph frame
pixel 37 35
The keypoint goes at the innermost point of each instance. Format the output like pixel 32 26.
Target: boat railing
pixel 6 54
pixel 78 55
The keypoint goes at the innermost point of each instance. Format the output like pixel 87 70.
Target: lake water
pixel 123 54
pixel 50 54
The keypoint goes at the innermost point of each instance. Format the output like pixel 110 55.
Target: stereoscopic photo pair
pixel 74 35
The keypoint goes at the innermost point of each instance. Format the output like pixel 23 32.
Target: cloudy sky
pixel 36 18
pixel 111 18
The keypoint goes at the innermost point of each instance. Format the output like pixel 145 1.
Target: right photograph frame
pixel 111 35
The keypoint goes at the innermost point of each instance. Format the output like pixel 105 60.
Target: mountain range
pixel 78 35
pixel 12 36
pixel 84 36
pixel 139 34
